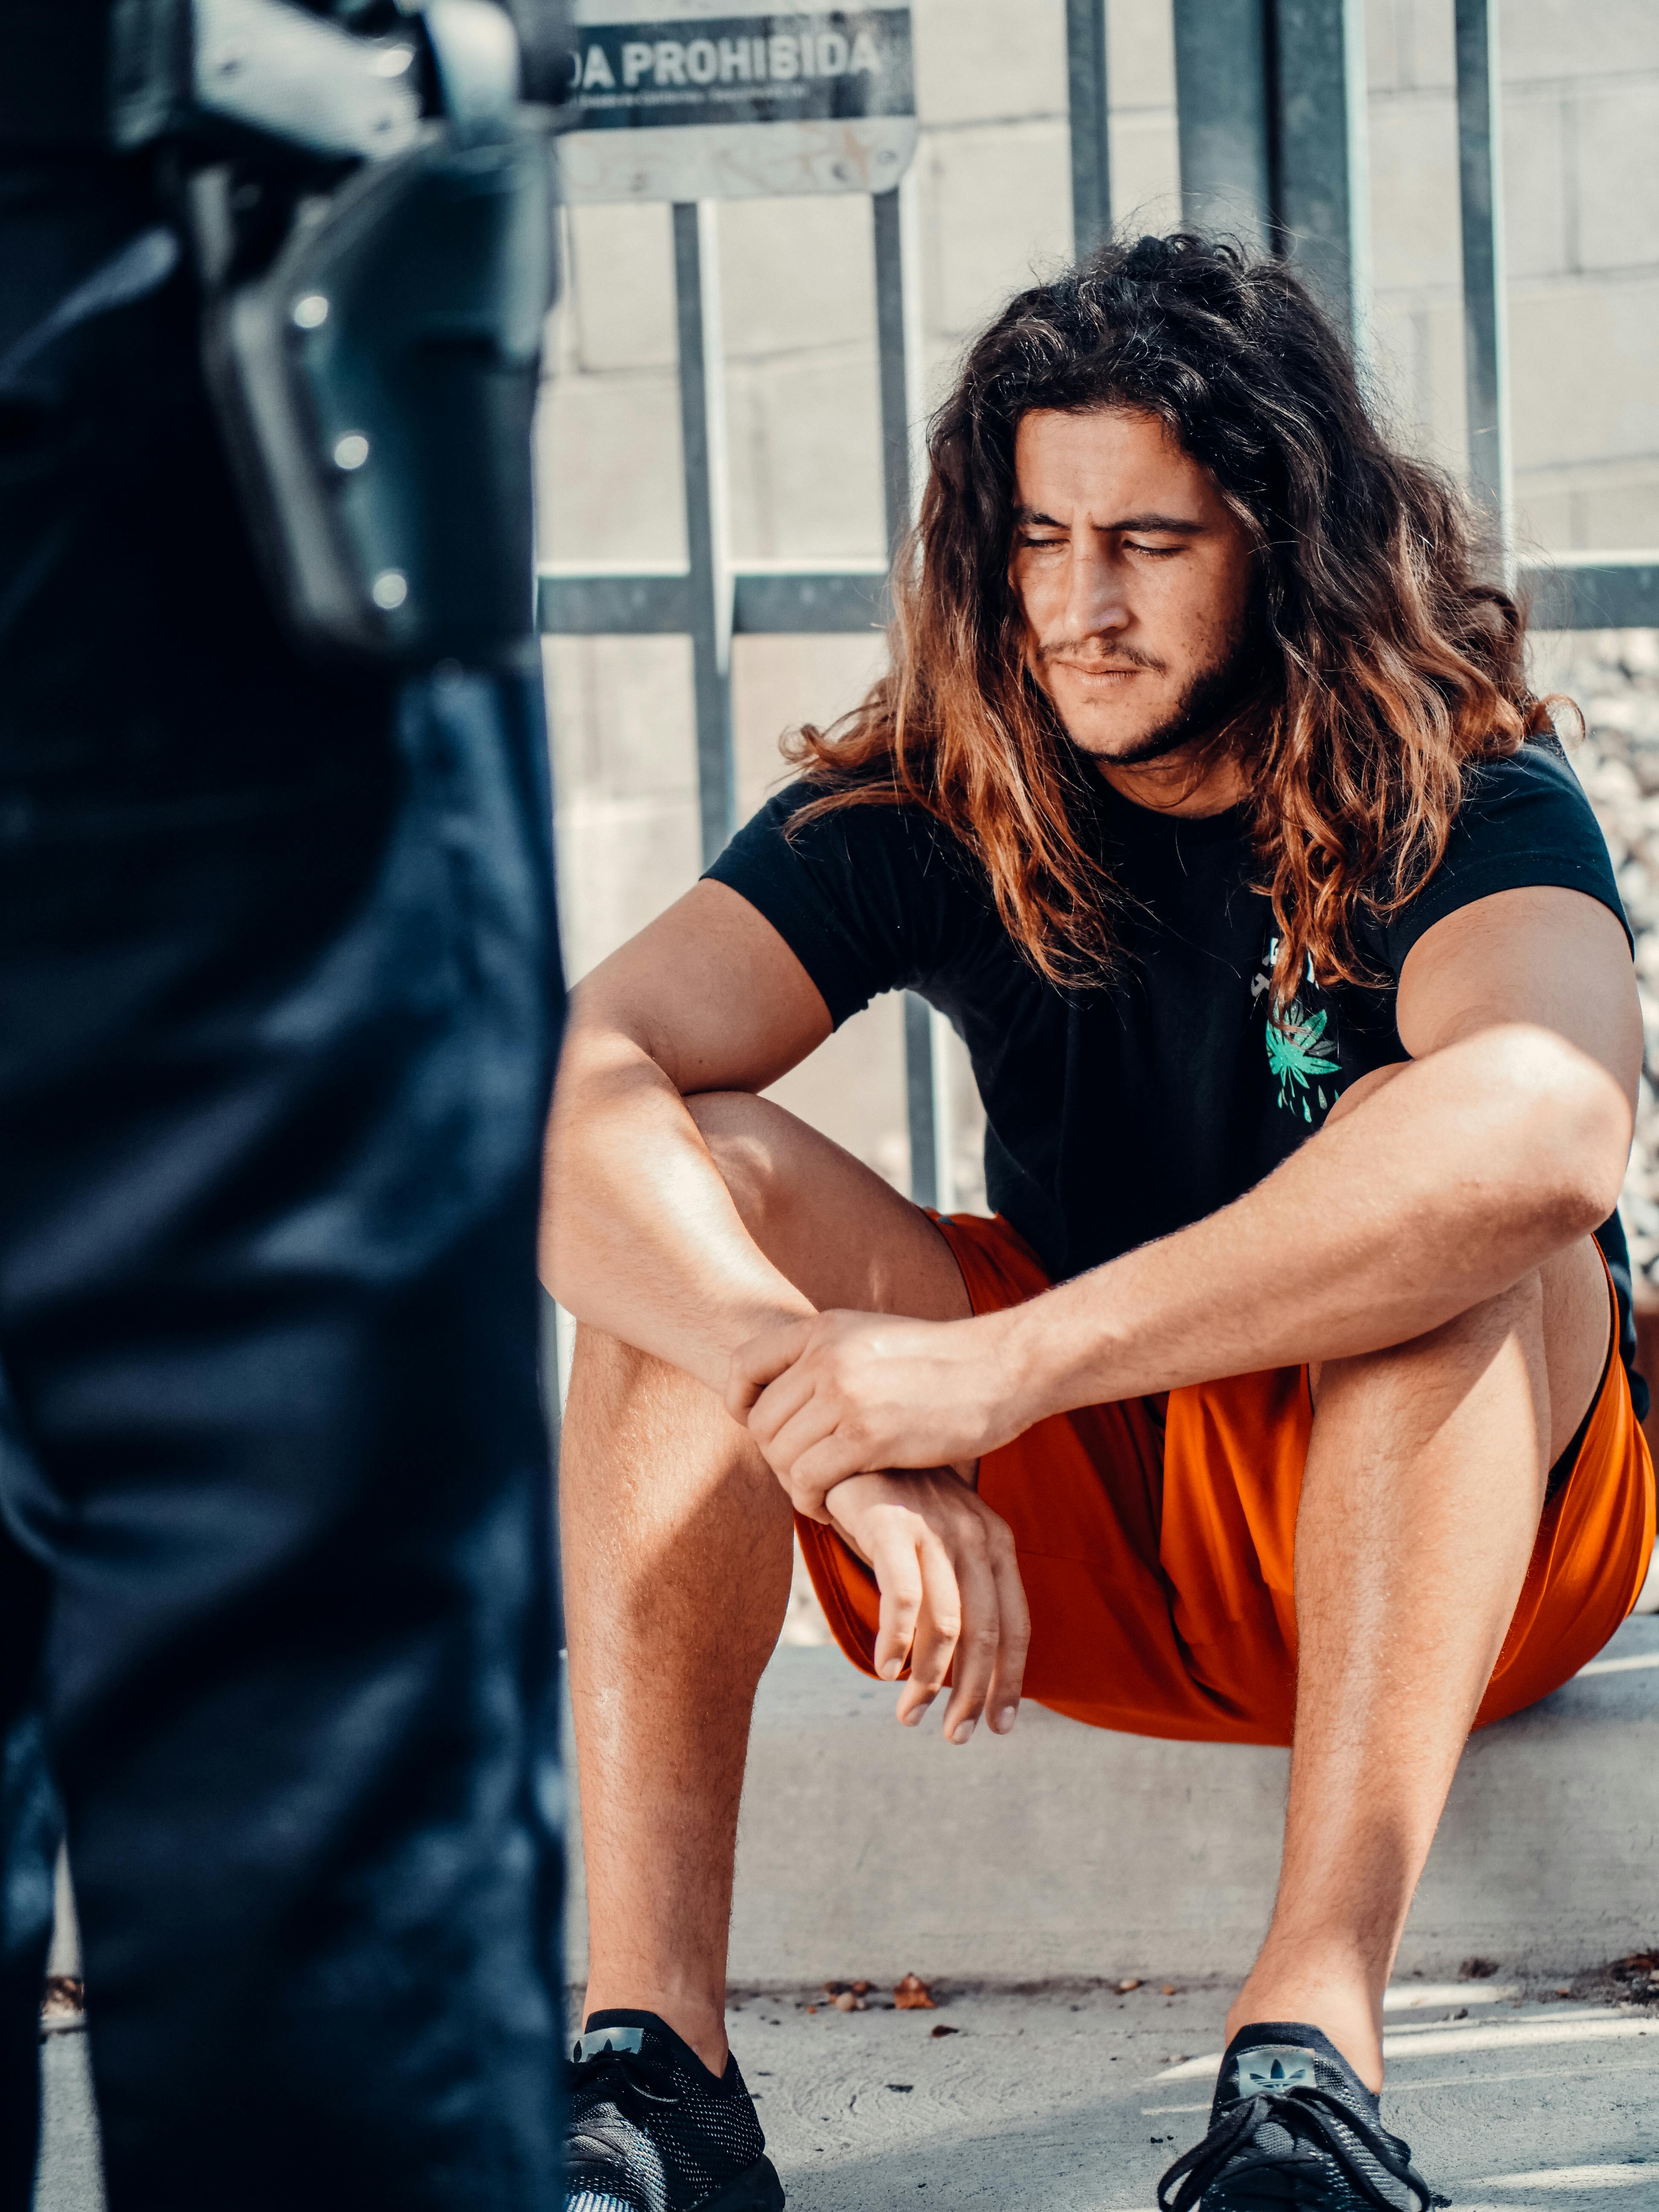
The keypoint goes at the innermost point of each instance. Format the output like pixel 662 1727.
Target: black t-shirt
pixel 1117 1114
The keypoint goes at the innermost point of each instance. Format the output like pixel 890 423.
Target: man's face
pixel 1134 576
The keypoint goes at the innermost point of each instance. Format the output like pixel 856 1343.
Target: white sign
pixel 733 100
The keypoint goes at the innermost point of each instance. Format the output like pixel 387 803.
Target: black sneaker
pixel 1293 2125
pixel 649 2128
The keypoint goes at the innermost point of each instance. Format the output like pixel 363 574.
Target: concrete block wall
pixel 1581 127
pixel 992 179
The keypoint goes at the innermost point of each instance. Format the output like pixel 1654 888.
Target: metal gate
pixel 1270 110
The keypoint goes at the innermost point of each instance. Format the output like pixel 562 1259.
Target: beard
pixel 1213 696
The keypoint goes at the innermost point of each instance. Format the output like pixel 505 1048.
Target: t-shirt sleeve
pixel 862 897
pixel 1524 820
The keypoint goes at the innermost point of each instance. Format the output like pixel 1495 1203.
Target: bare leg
pixel 1425 1481
pixel 676 1556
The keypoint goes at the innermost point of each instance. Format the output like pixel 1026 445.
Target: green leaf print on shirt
pixel 1301 1056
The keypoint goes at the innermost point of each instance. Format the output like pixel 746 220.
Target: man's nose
pixel 1097 600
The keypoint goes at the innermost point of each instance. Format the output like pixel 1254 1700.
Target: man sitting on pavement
pixel 1281 1399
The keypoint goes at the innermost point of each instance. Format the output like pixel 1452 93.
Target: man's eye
pixel 1039 544
pixel 1155 552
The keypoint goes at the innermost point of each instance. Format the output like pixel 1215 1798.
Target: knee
pixel 745 1140
pixel 1520 1307
pixel 1516 1311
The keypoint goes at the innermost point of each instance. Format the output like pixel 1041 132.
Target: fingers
pixel 988 1670
pixel 1014 1617
pixel 778 1394
pixel 951 1599
pixel 807 1448
pixel 781 1403
pixel 894 1561
pixel 845 1394
pixel 939 1628
pixel 920 1610
pixel 760 1362
pixel 981 1636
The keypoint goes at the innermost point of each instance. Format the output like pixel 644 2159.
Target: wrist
pixel 725 1328
pixel 1020 1355
pixel 1052 1365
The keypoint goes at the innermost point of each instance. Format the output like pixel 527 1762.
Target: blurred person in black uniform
pixel 279 1001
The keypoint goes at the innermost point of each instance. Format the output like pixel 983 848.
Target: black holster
pixel 377 385
pixel 373 327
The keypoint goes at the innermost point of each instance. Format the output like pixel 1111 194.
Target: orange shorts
pixel 1159 1567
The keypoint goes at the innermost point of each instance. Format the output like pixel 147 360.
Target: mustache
pixel 1118 656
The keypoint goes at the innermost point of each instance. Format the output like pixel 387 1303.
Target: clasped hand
pixel 840 1401
pixel 841 1393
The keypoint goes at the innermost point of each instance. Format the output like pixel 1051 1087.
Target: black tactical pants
pixel 278 1004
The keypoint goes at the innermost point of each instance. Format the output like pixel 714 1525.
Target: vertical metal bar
pixel 1271 99
pixel 1086 87
pixel 1322 168
pixel 703 435
pixel 1224 104
pixel 892 364
pixel 554 1366
pixel 899 368
pixel 921 1100
pixel 1485 320
pixel 944 1120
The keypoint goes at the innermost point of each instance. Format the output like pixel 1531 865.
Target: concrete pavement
pixel 1024 1879
pixel 70 2178
pixel 1072 2100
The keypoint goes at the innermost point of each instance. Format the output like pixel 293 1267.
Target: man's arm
pixel 639 1236
pixel 1502 1141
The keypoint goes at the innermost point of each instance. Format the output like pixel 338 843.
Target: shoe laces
pixel 1310 2116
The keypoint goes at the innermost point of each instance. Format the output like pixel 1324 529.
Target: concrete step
pixel 1064 1852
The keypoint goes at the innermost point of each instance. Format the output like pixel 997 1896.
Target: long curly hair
pixel 1388 659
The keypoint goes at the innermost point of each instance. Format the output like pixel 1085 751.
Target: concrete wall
pixel 1581 106
pixel 1064 1851
pixel 1581 117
